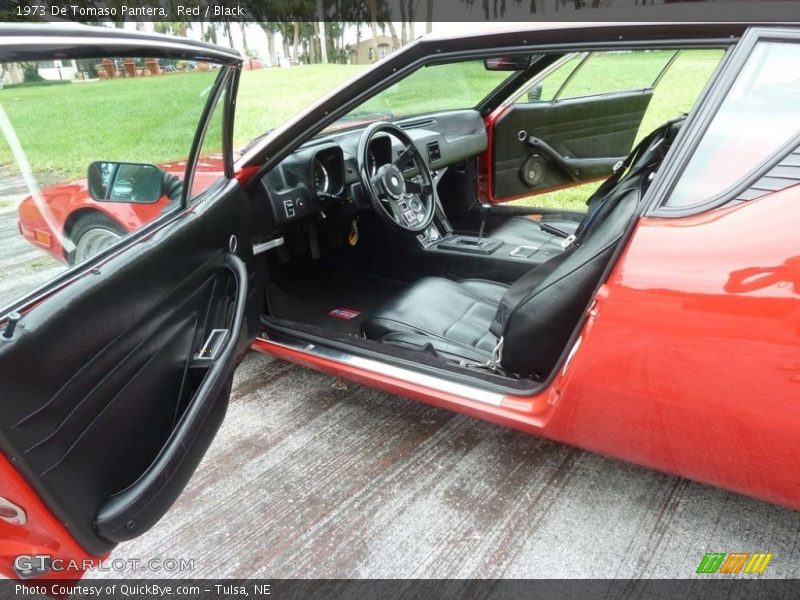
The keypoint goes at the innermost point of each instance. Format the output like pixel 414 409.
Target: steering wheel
pixel 394 189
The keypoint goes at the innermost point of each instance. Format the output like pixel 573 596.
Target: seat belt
pixel 626 170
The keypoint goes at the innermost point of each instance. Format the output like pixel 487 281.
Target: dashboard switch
pixel 288 206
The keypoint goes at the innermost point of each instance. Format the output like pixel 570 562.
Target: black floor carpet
pixel 339 304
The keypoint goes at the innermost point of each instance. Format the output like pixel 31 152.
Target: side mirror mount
pixel 138 183
pixel 535 93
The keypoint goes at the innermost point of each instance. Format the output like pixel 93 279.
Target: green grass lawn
pixel 268 97
pixel 149 119
pixel 64 127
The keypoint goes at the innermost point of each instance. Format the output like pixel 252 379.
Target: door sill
pixel 470 385
pixel 400 374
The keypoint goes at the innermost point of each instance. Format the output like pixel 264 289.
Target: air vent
pixel 434 153
pixel 783 175
pixel 417 123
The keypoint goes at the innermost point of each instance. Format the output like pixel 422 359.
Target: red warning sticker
pixel 344 313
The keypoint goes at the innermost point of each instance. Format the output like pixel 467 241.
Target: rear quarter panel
pixel 692 363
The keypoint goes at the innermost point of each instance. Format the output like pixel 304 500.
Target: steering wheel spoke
pixel 406 158
pixel 397 211
pixel 415 187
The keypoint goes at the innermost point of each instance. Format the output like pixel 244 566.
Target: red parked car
pixel 370 238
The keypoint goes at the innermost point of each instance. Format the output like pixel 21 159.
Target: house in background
pixel 363 53
pixel 55 70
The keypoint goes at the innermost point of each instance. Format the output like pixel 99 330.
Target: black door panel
pixel 577 140
pixel 102 379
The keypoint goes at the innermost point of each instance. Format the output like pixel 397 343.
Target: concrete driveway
pixel 314 477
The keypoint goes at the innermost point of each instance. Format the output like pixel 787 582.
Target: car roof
pixel 672 18
pixel 23 41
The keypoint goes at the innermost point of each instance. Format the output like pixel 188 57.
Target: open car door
pixel 116 374
pixel 572 123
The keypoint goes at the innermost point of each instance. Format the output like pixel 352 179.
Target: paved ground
pixel 23 267
pixel 313 477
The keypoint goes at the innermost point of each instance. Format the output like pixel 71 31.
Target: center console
pixel 470 244
pixel 440 238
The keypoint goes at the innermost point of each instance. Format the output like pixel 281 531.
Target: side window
pixel 677 90
pixel 598 73
pixel 90 151
pixel 613 72
pixel 211 161
pixel 546 89
pixel 758 116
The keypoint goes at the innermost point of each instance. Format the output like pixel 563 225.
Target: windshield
pixel 432 88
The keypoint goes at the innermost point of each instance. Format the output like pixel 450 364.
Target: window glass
pixel 211 163
pixel 547 88
pixel 609 72
pixel 90 151
pixel 674 95
pixel 759 114
pixel 430 89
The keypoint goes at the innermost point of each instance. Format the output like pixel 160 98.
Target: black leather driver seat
pixel 535 316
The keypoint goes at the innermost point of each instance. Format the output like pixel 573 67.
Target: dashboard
pixel 323 172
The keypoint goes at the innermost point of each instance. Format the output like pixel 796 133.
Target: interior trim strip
pixel 405 375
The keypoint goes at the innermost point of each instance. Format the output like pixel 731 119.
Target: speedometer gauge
pixel 372 163
pixel 321 178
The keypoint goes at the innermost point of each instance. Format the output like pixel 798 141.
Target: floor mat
pixel 336 304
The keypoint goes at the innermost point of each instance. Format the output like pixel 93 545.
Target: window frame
pixel 700 120
pixel 587 59
pixel 96 48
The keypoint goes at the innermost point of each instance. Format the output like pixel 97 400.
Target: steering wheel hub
pixel 391 178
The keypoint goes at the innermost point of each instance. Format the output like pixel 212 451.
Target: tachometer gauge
pixel 321 179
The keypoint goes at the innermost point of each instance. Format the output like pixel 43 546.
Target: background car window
pixel 90 150
pixel 759 114
pixel 546 89
pixel 609 72
pixel 675 94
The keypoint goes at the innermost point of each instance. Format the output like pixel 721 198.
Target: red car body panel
pixel 41 534
pixel 721 289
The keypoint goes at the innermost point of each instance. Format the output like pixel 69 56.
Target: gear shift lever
pixel 485 210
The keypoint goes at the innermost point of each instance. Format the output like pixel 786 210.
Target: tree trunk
pixel 229 33
pixel 312 43
pixel 411 35
pixel 429 17
pixel 323 39
pixel 296 40
pixel 271 61
pixel 403 31
pixel 243 27
pixel 373 23
pixel 393 33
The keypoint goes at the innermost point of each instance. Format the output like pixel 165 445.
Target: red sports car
pixel 370 237
pixel 92 222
